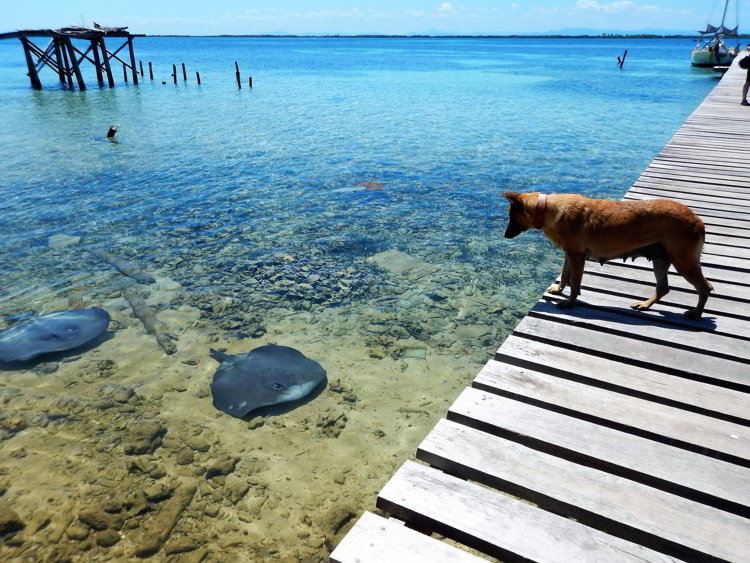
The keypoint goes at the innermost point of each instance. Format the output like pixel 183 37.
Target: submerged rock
pixel 144 438
pixel 9 521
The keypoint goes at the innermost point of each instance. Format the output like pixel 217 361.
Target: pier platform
pixel 600 433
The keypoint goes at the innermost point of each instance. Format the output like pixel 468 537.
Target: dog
pixel 663 231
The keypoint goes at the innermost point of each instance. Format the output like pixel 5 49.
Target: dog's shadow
pixel 624 314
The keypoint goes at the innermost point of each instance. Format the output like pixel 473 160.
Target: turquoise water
pixel 348 205
pixel 444 125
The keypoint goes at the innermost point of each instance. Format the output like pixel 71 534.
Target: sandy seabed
pixel 116 452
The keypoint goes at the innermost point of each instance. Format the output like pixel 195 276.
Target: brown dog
pixel 661 230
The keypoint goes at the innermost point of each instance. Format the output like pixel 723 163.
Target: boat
pixel 710 49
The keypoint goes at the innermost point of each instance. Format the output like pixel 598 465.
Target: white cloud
pixel 594 6
pixel 446 8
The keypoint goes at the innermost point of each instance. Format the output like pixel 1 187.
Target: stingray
pixel 55 332
pixel 265 376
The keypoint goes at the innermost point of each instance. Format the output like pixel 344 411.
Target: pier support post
pixel 107 67
pixel 132 60
pixel 174 73
pixel 68 71
pixel 58 56
pixel 33 76
pixel 184 73
pixel 97 62
pixel 140 63
pixel 74 63
pixel 237 74
pixel 125 72
pixel 150 71
pixel 198 76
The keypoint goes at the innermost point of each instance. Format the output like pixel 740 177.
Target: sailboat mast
pixel 723 17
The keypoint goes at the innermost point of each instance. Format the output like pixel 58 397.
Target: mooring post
pixel 74 63
pixel 97 62
pixel 184 73
pixel 250 81
pixel 622 61
pixel 58 55
pixel 150 71
pixel 33 76
pixel 140 63
pixel 198 76
pixel 237 74
pixel 174 73
pixel 132 60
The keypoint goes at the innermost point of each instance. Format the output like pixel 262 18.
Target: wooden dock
pixel 602 433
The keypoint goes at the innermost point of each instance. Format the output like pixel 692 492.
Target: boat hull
pixel 704 57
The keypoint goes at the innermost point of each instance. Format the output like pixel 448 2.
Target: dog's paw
pixel 693 314
pixel 640 305
pixel 567 304
pixel 555 289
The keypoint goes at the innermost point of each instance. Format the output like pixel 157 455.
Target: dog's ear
pixel 512 197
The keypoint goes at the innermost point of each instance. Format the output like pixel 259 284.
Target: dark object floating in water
pixel 112 132
pixel 54 332
pixel 265 376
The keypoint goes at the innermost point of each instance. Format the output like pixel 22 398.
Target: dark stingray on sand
pixel 265 376
pixel 55 332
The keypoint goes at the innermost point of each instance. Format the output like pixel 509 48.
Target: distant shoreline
pixel 377 36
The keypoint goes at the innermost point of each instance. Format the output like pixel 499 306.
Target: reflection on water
pixel 348 206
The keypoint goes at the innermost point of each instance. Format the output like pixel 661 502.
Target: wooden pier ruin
pixel 602 433
pixel 65 58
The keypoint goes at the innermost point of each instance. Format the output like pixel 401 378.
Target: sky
pixel 180 17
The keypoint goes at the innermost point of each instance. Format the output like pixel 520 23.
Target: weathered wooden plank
pixel 700 175
pixel 499 525
pixel 702 209
pixel 671 425
pixel 635 272
pixel 667 187
pixel 687 474
pixel 721 325
pixel 656 182
pixel 624 291
pixel 652 355
pixel 724 250
pixel 728 241
pixel 577 365
pixel 374 539
pixel 673 334
pixel 630 510
pixel 713 201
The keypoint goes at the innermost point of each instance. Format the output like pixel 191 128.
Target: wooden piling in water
pixel 107 66
pixel 58 56
pixel 250 81
pixel 132 60
pixel 237 74
pixel 68 72
pixel 74 63
pixel 97 61
pixel 174 73
pixel 125 72
pixel 150 71
pixel 33 76
pixel 140 63
pixel 184 72
pixel 198 76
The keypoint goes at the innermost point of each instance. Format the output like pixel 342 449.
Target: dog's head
pixel 521 214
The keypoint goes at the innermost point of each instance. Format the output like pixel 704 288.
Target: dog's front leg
pixel 557 288
pixel 575 263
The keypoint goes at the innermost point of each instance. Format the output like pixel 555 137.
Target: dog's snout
pixel 513 230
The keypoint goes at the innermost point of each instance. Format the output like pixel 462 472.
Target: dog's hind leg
pixel 661 267
pixel 575 263
pixel 557 288
pixel 693 274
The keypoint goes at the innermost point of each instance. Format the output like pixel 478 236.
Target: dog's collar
pixel 541 209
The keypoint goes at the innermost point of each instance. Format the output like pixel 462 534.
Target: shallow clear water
pixel 276 202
